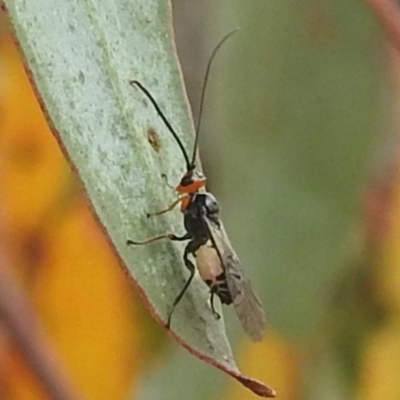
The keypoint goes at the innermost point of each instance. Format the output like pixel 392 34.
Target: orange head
pixel 191 182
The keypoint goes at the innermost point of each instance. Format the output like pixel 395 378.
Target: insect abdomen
pixel 220 287
pixel 212 273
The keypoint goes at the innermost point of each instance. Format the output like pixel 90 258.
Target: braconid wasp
pixel 208 244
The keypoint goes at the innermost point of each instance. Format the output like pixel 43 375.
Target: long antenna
pixel 189 165
pixel 203 91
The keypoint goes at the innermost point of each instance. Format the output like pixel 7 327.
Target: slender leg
pixel 164 176
pixel 216 315
pixel 169 236
pixel 169 208
pixel 190 248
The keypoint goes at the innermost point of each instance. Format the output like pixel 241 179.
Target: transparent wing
pixel 247 305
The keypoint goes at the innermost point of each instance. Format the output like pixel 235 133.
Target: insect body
pixel 208 243
pixel 203 207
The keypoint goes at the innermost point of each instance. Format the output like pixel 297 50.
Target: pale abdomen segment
pixel 211 271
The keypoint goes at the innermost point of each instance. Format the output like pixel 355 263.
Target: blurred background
pixel 300 145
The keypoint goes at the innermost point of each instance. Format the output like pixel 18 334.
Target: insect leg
pixel 164 176
pixel 190 249
pixel 169 208
pixel 169 236
pixel 216 315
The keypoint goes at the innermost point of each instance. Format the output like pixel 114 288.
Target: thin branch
pixel 19 319
pixel 388 13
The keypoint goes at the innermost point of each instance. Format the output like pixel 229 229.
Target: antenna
pixel 189 165
pixel 203 91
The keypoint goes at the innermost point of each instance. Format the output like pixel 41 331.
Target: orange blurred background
pixel 95 323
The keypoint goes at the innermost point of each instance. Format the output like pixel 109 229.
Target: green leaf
pixel 299 126
pixel 81 56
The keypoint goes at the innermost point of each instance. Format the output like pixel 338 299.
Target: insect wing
pixel 247 305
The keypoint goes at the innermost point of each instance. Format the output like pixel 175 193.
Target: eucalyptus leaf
pixel 81 56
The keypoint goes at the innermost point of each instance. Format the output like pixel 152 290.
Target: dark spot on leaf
pixel 81 76
pixel 154 139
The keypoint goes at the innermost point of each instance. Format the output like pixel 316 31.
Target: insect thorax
pixel 201 205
